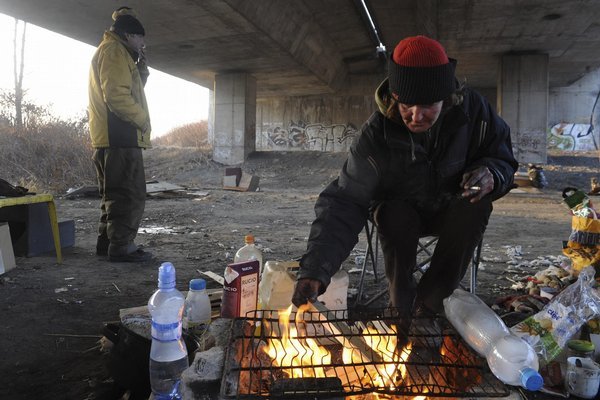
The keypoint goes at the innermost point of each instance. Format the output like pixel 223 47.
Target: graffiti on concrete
pixel 301 135
pixel 565 136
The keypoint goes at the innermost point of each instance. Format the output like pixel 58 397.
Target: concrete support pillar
pixel 234 118
pixel 211 117
pixel 523 104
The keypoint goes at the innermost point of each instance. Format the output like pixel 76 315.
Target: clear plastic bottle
pixel 475 322
pixel 196 311
pixel 514 362
pixel 168 353
pixel 510 358
pixel 250 252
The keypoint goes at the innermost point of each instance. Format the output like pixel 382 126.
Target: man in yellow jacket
pixel 120 129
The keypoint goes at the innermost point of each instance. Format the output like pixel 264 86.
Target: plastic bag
pixel 549 330
pixel 9 190
pixel 583 246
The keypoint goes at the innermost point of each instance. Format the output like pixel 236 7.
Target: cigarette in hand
pixel 474 187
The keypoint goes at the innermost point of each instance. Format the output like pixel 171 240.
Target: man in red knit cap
pixel 430 161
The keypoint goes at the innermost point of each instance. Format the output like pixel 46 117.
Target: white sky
pixel 56 75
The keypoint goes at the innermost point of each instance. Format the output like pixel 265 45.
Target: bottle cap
pixel 578 345
pixel 249 239
pixel 166 276
pixel 197 284
pixel 531 379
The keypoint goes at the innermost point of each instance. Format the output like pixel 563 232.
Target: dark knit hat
pixel 420 72
pixel 126 23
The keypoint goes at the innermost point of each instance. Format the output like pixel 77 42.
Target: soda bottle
pixel 196 311
pixel 249 252
pixel 168 353
pixel 510 358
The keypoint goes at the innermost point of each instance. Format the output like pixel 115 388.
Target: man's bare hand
pixel 477 183
pixel 307 290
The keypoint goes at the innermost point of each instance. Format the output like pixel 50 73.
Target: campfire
pixel 317 353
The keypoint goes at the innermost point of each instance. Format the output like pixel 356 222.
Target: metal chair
pixel 425 248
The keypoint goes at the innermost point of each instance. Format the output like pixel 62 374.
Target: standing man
pixel 429 162
pixel 120 129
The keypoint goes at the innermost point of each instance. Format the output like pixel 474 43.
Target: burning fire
pixel 294 352
pixel 384 345
pixel 306 358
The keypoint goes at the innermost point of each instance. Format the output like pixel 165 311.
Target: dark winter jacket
pixel 388 162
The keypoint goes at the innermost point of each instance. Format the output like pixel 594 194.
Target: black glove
pixel 306 290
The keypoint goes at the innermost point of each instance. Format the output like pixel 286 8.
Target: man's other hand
pixel 306 290
pixel 477 183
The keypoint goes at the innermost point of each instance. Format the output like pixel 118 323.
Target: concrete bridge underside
pixel 248 52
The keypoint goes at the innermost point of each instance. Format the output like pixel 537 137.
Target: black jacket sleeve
pixel 491 146
pixel 342 208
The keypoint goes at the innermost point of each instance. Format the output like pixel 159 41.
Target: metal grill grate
pixel 261 364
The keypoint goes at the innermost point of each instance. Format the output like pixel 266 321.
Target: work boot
pixel 102 244
pixel 128 253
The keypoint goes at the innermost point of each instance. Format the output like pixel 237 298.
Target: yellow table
pixel 39 198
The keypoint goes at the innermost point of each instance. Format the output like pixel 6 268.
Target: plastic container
pixel 196 310
pixel 336 294
pixel 249 252
pixel 510 358
pixel 476 323
pixel 580 348
pixel 276 287
pixel 514 362
pixel 168 353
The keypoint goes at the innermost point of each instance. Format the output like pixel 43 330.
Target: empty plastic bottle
pixel 196 311
pixel 168 353
pixel 474 321
pixel 514 362
pixel 249 252
pixel 510 358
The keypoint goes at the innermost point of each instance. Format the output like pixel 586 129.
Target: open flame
pixel 294 352
pixel 318 351
pixel 303 357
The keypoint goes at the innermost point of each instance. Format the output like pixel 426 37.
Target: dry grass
pixel 189 135
pixel 51 157
pixel 55 155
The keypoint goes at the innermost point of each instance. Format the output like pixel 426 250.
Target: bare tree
pixel 19 93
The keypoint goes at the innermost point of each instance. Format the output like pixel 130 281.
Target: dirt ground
pixel 53 315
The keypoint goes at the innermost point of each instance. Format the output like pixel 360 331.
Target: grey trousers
pixel 459 227
pixel 122 186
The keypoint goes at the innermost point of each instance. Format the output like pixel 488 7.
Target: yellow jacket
pixel 118 110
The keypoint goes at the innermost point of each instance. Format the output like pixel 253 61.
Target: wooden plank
pixel 344 335
pixel 159 186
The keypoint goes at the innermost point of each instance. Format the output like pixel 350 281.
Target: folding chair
pixel 425 248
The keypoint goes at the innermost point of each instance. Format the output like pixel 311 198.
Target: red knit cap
pixel 419 51
pixel 420 72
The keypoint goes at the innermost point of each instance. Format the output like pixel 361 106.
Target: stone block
pixel 7 256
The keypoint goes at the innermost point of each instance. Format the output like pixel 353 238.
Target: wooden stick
pixel 71 335
pixel 217 278
pixel 344 335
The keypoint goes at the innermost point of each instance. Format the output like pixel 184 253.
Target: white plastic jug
pixel 336 295
pixel 276 286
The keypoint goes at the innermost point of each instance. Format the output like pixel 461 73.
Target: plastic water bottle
pixel 196 311
pixel 249 252
pixel 510 358
pixel 168 354
pixel 514 362
pixel 474 321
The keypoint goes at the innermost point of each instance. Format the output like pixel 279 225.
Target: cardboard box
pixel 7 257
pixel 240 290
